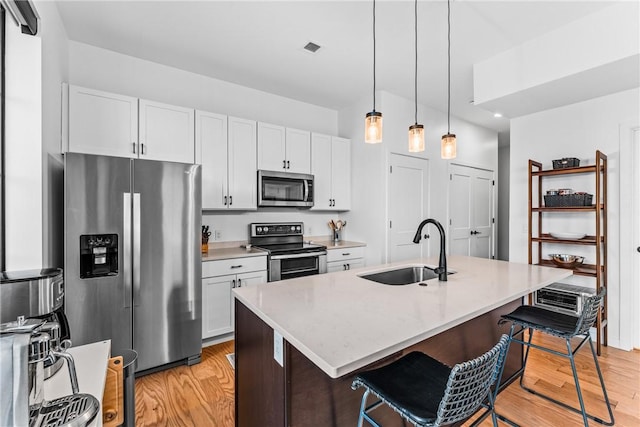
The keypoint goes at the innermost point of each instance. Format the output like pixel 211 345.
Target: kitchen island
pixel 323 329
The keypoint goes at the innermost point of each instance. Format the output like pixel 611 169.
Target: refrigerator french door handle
pixel 126 246
pixel 136 249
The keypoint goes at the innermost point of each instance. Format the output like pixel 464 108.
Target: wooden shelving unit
pixel 537 238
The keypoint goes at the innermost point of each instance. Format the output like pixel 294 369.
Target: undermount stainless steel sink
pixel 404 275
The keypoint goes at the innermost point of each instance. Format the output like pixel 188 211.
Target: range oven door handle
pixel 304 255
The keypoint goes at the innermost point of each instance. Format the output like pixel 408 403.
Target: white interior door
pixel 471 212
pixel 407 206
pixel 636 228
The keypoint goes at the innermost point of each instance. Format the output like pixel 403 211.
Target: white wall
pixel 576 130
pixel 113 72
pixel 106 70
pixel 477 147
pixel 23 131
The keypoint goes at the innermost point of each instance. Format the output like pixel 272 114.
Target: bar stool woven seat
pixel 427 392
pixel 564 326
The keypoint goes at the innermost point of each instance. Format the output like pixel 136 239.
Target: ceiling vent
pixel 311 47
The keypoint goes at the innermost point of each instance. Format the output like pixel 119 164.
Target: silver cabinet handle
pixel 346 254
pixel 142 148
pixel 288 164
pixel 230 200
pixel 239 283
pixel 284 164
pixel 133 144
pixel 236 266
pixel 233 283
pixel 225 200
pixel 329 202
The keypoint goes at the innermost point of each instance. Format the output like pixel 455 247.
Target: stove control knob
pixel 298 228
pixel 293 228
pixel 259 229
pixel 265 229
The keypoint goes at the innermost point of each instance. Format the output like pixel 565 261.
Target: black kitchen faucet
pixel 442 263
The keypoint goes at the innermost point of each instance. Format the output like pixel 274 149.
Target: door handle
pixel 638 248
pixel 142 149
pixel 233 283
pixel 230 200
pixel 136 249
pixel 133 144
pixel 225 200
pixel 239 283
pixel 288 164
pixel 284 164
pixel 126 247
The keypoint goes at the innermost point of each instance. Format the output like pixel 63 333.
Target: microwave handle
pixel 306 190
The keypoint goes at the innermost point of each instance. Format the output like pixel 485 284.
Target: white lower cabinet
pixel 217 285
pixel 345 259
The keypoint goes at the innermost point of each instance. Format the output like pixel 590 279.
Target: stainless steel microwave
pixel 285 189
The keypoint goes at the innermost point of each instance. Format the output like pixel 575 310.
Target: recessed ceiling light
pixel 312 47
pixel 497 115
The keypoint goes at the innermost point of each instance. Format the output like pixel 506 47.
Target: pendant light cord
pixel 374 55
pixel 415 94
pixel 448 67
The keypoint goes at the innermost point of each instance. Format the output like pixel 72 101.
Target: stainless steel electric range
pixel 288 255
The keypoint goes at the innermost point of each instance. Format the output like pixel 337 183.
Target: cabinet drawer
pixel 233 266
pixel 345 253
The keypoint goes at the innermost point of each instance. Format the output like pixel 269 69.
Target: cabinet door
pixel 251 279
pixel 211 149
pixel 166 132
pixel 242 164
pixel 102 123
pixel 332 267
pixel 321 170
pixel 355 263
pixel 298 151
pixel 217 316
pixel 271 147
pixel 341 173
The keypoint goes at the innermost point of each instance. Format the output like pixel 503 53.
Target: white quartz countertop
pixel 342 322
pixel 340 244
pixel 215 254
pixel 91 368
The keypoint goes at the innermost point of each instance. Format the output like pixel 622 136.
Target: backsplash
pixel 234 226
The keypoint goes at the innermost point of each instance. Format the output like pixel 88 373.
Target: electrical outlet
pixel 217 234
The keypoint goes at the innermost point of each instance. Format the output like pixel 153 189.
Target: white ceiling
pixel 259 44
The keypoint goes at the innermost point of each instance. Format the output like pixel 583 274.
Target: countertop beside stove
pixel 229 250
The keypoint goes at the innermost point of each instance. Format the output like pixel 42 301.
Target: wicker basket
pixel 566 162
pixel 568 200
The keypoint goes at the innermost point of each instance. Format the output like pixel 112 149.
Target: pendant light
pixel 448 144
pixel 373 120
pixel 416 131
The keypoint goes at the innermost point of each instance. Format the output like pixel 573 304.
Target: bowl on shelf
pixel 566 260
pixel 567 236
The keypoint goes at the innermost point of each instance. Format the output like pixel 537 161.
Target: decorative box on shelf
pixel 566 162
pixel 568 200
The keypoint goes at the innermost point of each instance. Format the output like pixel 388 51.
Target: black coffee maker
pixel 37 294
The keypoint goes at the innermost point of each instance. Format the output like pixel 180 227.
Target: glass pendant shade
pixel 448 146
pixel 373 128
pixel 416 138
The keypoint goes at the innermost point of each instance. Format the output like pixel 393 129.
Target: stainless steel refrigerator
pixel 132 264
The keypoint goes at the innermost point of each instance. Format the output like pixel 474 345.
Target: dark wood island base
pixel 301 394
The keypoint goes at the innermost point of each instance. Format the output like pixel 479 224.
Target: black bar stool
pixel 565 326
pixel 427 392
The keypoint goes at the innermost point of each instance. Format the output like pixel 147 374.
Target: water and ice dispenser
pixel 98 255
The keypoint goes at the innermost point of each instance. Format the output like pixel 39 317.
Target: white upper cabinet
pixel 298 151
pixel 331 167
pixel 226 148
pixel 271 147
pixel 283 149
pixel 211 153
pixel 109 124
pixel 341 173
pixel 166 132
pixel 242 164
pixel 102 123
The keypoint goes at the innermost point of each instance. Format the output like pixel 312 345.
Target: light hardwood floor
pixel 203 395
